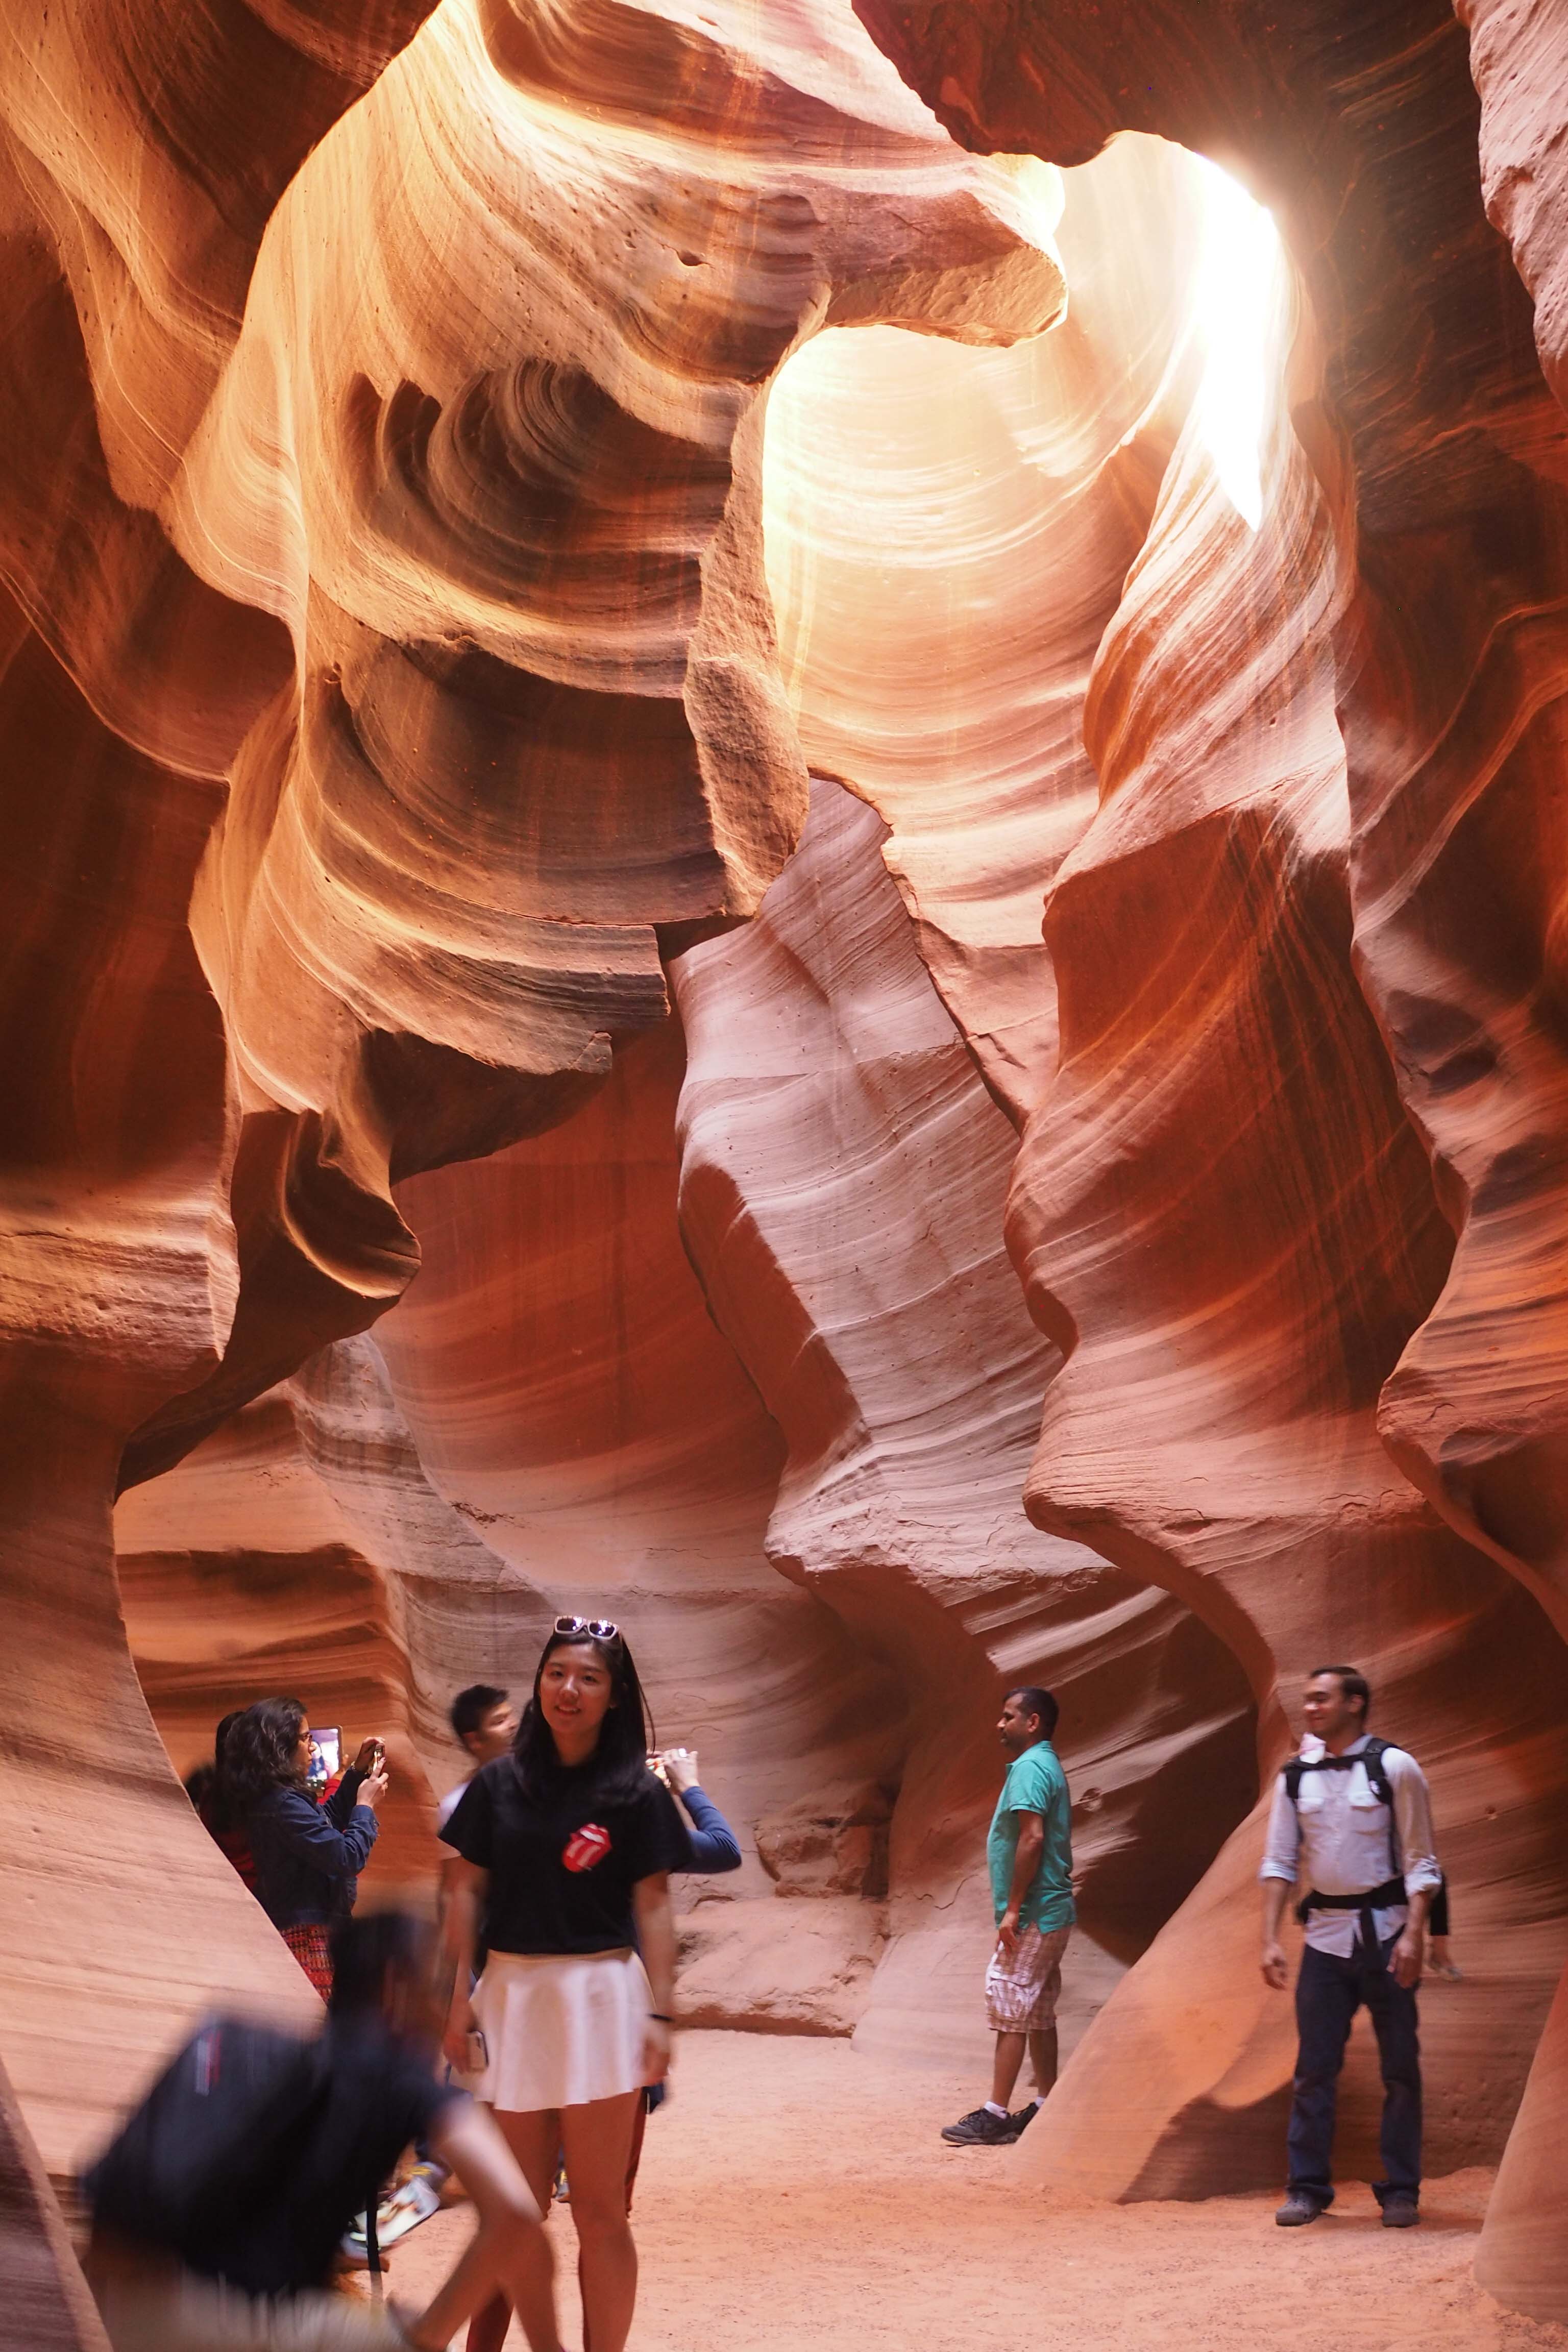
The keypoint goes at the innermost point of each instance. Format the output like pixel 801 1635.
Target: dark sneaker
pixel 1399 2214
pixel 980 2128
pixel 1297 2211
pixel 1021 2118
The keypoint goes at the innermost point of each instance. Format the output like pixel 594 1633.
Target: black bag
pixel 218 2127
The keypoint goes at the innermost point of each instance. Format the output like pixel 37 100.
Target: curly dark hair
pixel 259 1752
pixel 620 1761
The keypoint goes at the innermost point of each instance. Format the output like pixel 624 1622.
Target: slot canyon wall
pixel 707 915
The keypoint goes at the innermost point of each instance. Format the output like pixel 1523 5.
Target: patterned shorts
pixel 1021 1991
pixel 312 1947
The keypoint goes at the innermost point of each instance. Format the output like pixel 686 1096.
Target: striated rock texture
pixel 501 489
pixel 302 1549
pixel 433 555
pixel 947 536
pixel 47 2303
pixel 1433 441
pixel 843 1175
pixel 387 658
pixel 572 1398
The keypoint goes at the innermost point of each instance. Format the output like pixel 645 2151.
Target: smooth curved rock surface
pixel 388 653
pixel 843 1172
pixel 302 1550
pixel 947 537
pixel 311 523
pixel 572 1399
pixel 507 511
pixel 1432 439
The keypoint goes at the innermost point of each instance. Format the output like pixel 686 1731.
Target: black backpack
pixel 215 2129
pixel 1371 1755
pixel 1382 1788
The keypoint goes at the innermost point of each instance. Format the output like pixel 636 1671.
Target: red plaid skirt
pixel 314 1953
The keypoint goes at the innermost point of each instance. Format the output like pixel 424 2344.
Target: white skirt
pixel 560 2028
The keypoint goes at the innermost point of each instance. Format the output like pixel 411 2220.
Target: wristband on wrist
pixel 659 2018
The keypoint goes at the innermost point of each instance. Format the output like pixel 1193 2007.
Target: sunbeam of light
pixel 1240 281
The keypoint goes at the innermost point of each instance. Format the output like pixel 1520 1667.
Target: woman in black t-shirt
pixel 565 1846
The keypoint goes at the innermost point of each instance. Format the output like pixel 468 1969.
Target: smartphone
pixel 478 2051
pixel 326 1755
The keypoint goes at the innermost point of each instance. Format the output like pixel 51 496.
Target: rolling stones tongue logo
pixel 585 1846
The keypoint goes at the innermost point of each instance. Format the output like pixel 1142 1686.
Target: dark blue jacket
pixel 714 1846
pixel 308 1857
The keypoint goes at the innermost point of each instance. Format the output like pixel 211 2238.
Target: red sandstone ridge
pixel 389 659
pixel 1436 445
pixel 435 550
pixel 843 1172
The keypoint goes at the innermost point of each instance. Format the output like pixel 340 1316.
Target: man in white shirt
pixel 1352 1818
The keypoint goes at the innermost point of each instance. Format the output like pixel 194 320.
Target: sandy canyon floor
pixel 795 2193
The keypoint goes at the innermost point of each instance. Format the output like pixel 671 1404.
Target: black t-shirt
pixel 562 1869
pixel 381 2093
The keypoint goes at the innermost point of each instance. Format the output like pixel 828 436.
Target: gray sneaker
pixel 1297 2211
pixel 980 2128
pixel 1022 2117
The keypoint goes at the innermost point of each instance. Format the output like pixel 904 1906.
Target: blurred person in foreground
pixel 564 1849
pixel 307 1857
pixel 1029 1850
pixel 484 1726
pixel 1353 1815
pixel 217 2212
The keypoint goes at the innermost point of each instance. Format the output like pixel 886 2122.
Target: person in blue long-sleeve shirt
pixel 714 1845
pixel 307 1857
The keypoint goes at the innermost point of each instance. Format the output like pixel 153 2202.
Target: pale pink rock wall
pixel 842 1173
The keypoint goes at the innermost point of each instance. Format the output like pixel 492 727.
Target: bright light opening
pixel 1240 279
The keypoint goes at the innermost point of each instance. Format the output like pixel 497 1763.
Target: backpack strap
pixel 1371 1755
pixel 1382 1788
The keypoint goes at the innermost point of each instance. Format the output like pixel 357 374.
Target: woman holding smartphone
pixel 307 1858
pixel 564 1849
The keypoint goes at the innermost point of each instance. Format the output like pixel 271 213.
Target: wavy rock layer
pixel 302 1549
pixel 572 1399
pixel 502 488
pixel 385 615
pixel 947 536
pixel 843 1174
pixel 1436 434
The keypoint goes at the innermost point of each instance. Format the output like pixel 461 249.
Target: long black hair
pixel 619 1764
pixel 259 1752
pixel 218 1809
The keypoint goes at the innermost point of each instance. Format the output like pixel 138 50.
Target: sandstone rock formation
pixel 843 1174
pixel 389 641
pixel 434 552
pixel 947 537
pixel 1432 441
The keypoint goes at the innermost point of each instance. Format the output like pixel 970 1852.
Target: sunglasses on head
pixel 597 1629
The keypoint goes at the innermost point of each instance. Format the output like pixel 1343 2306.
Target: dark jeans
pixel 1329 1991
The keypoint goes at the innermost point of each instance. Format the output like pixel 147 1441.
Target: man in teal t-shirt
pixel 1029 1851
